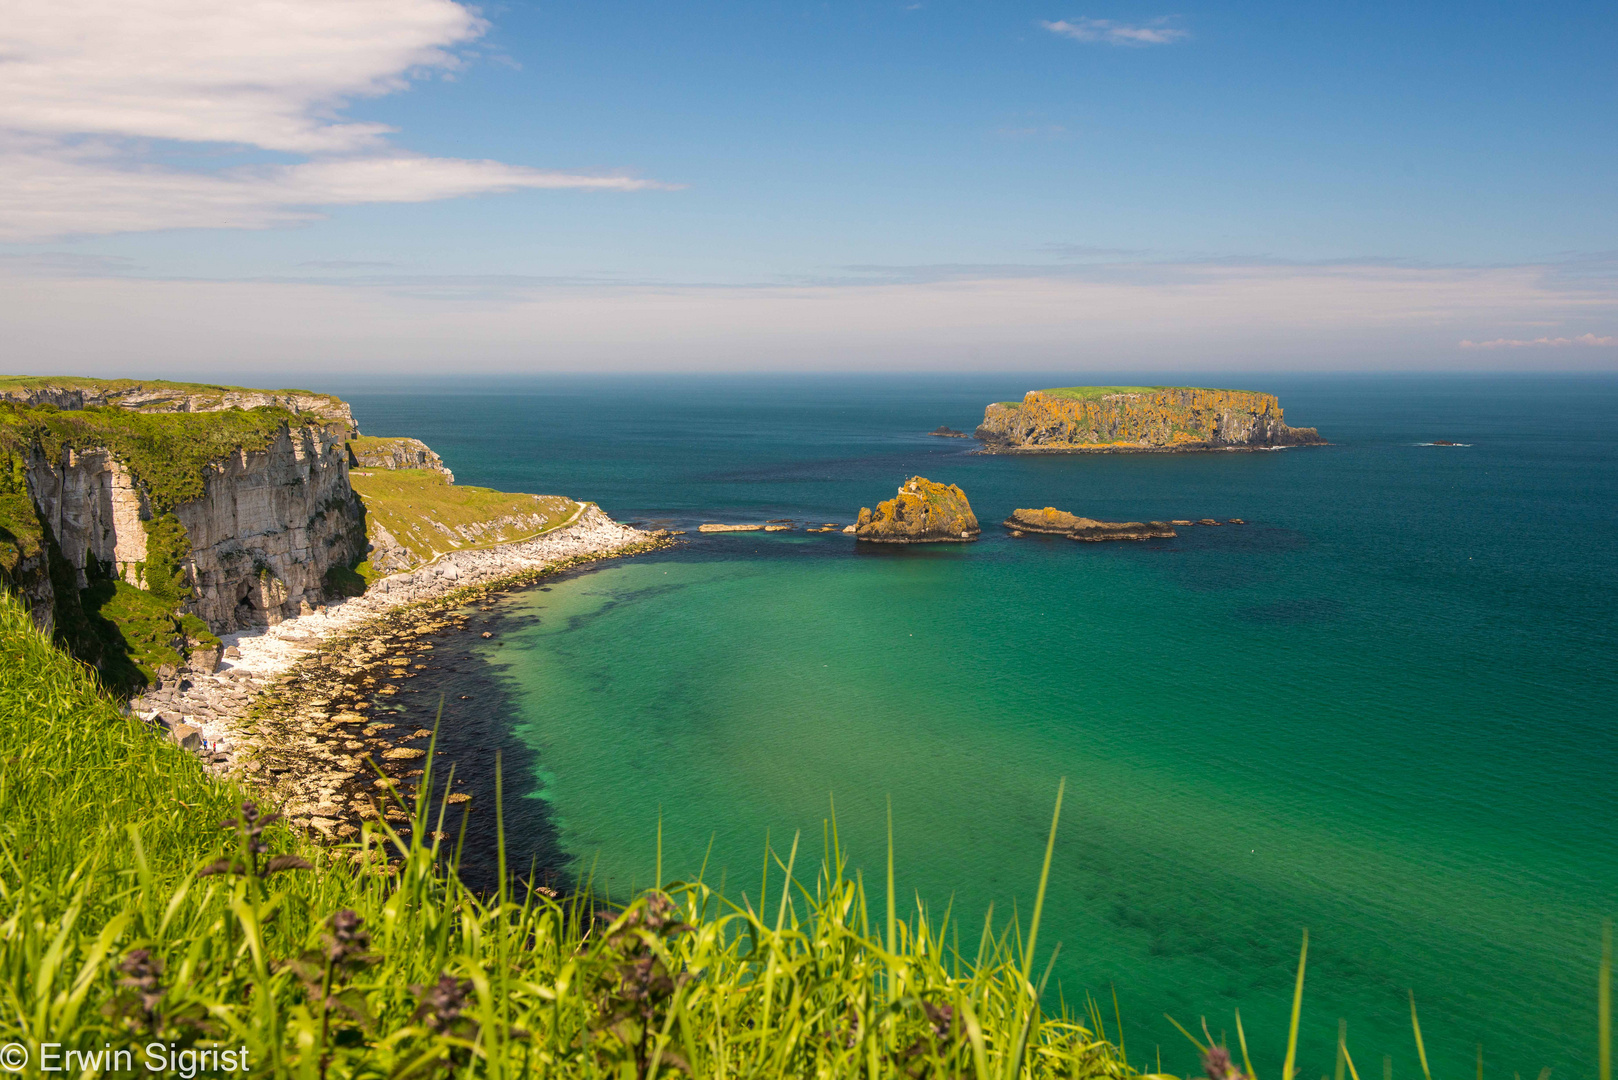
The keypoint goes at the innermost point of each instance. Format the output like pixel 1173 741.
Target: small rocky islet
pixel 1138 419
pixel 1052 521
pixel 923 512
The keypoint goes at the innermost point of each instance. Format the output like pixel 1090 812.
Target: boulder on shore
pixel 1060 523
pixel 923 512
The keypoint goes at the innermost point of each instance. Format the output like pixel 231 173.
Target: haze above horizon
pixel 419 186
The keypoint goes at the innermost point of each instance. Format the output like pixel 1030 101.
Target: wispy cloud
pixel 1540 343
pixel 1210 315
pixel 1158 31
pixel 347 264
pixel 87 86
pixel 1088 252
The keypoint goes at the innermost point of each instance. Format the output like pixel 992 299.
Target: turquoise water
pixel 1382 710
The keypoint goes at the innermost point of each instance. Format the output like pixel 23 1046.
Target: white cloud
pixel 1106 31
pixel 260 72
pixel 58 190
pixel 1541 342
pixel 85 83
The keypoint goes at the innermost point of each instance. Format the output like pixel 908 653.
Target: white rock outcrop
pixel 379 452
pixel 94 509
pixel 269 525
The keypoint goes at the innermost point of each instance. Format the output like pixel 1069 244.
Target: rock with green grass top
pixel 1091 419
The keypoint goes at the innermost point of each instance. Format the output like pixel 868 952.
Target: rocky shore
pixel 288 708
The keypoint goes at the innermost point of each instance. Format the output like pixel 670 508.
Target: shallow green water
pixel 1382 710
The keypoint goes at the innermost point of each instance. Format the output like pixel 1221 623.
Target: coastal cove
pixel 1372 710
pixel 306 709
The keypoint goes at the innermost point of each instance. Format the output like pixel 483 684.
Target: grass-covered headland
pixel 142 903
pixel 426 515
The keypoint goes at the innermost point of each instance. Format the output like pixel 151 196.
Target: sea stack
pixel 1135 419
pixel 1059 522
pixel 923 512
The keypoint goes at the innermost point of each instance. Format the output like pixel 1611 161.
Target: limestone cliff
pixel 922 512
pixel 1060 523
pixel 380 452
pixel 90 503
pixel 267 525
pixel 1090 419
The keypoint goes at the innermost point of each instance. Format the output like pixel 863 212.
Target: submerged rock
pixel 922 512
pixel 1060 523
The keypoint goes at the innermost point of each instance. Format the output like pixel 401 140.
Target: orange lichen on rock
pixel 1062 523
pixel 922 512
pixel 1146 418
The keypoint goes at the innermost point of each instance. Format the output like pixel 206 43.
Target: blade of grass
pixel 1044 880
pixel 1421 1048
pixel 1241 1037
pixel 1604 1005
pixel 1297 1010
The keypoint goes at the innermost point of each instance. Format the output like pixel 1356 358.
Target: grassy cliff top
pixel 1090 393
pixel 123 386
pixel 428 515
pixel 1095 393
pixel 167 451
pixel 361 443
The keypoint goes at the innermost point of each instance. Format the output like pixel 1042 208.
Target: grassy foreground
pixel 154 921
pixel 129 916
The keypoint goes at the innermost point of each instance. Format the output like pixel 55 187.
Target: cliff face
pixel 92 506
pixel 379 452
pixel 1159 418
pixel 922 512
pixel 268 526
pixel 25 558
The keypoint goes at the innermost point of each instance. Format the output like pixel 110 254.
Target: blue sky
pixel 818 136
pixel 1320 185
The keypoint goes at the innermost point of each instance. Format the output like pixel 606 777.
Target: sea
pixel 1382 710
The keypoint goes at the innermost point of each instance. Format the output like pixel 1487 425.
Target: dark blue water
pixel 1383 709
